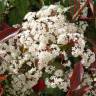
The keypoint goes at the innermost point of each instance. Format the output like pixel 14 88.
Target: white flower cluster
pixel 88 58
pixel 35 48
pixel 57 79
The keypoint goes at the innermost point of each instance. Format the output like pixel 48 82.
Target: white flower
pixel 62 39
pixel 53 85
pixel 63 85
pixel 68 63
pixel 42 46
pixel 27 57
pixel 65 55
pixel 50 69
pixel 62 30
pixel 77 50
pixel 47 82
pixel 32 70
pixel 46 11
pixel 88 58
pixel 58 73
pixel 58 80
pixel 30 15
pixel 72 28
pixel 35 48
pixel 27 15
pixel 30 84
pixel 44 57
pixel 25 25
pixel 55 50
pixel 22 77
pixel 3 67
pixel 44 39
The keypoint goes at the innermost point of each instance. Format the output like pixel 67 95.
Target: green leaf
pixel 47 2
pixel 65 2
pixel 52 92
pixel 94 2
pixel 36 4
pixel 2 9
pixel 16 15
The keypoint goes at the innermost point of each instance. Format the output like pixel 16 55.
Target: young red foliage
pixel 2 77
pixel 1 90
pixel 4 26
pixel 77 76
pixel 6 30
pixel 76 79
pixel 82 91
pixel 79 92
pixel 39 86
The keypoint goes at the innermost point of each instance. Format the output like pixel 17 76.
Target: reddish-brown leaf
pixel 39 86
pixel 71 43
pixel 77 75
pixel 7 32
pixel 81 91
pixel 1 90
pixel 2 77
pixel 91 5
pixel 70 93
pixel 4 26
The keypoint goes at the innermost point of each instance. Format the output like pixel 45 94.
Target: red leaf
pixel 79 92
pixel 91 5
pixel 70 93
pixel 82 91
pixel 2 77
pixel 6 32
pixel 76 77
pixel 61 57
pixel 71 42
pixel 39 86
pixel 1 90
pixel 4 26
